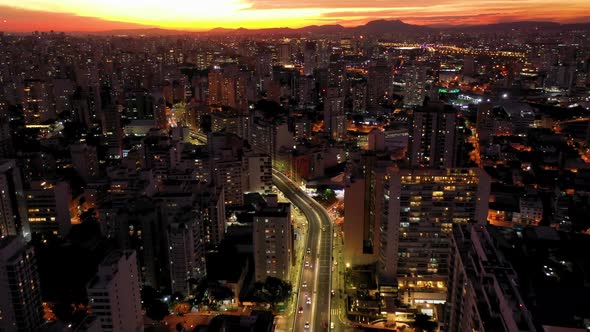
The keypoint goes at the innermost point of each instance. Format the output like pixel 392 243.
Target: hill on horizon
pixel 376 27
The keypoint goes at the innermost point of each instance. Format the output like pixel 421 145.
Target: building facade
pixel 114 293
pixel 432 136
pixel 273 241
pixel 13 210
pixel 20 292
pixel 420 208
pixel 48 207
pixel 483 288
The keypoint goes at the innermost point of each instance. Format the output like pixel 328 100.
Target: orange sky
pixel 95 15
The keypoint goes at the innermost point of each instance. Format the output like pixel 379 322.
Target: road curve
pixel 318 277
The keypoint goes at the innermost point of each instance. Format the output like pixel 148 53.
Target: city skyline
pixel 365 176
pixel 89 15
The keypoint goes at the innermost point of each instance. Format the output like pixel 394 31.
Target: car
pixel 306 325
pixel 306 263
pixel 308 300
pixel 308 251
pixel 300 310
pixel 304 284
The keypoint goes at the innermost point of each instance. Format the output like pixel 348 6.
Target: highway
pixel 197 138
pixel 315 282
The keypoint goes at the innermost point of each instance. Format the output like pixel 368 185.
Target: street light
pixel 348 265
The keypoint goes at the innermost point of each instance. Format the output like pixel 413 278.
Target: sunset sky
pixel 96 15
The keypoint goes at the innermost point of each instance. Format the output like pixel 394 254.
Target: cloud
pixel 466 12
pixel 356 18
pixel 22 20
pixel 206 14
pixel 335 4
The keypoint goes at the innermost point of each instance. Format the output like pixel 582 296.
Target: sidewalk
pixel 284 322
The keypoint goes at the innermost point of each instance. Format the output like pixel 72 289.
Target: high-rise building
pixel 186 250
pixel 260 174
pixel 228 120
pixel 334 93
pixel 432 136
pixel 306 90
pixel 348 46
pixel 215 87
pixel 273 240
pixel 211 210
pixel 138 104
pixel 161 112
pixel 6 145
pixel 270 135
pixel 112 130
pixel 492 121
pixel 60 93
pixel 140 227
pixel 468 65
pixel 420 208
pixel 323 53
pixel 36 105
pixel 228 167
pixel 20 293
pixel 337 75
pixel 334 116
pixel 227 87
pixel 561 76
pixel 84 160
pixel 264 63
pixel 284 54
pixel 413 79
pixel 113 293
pixel 361 218
pixel 83 107
pixel 156 148
pixel 379 83
pixel 48 207
pixel 310 62
pixel 230 173
pixel 13 210
pixel 483 289
pixel 358 94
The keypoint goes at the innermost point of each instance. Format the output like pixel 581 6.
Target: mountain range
pixel 377 27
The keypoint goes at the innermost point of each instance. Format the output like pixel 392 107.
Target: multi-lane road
pixel 315 285
pixel 313 298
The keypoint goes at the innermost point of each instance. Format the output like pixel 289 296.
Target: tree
pixel 178 297
pixel 219 292
pixel 89 216
pixel 148 295
pixel 157 310
pixel 422 322
pixel 357 118
pixel 63 311
pixel 273 290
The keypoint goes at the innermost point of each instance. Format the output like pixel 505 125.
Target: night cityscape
pixel 265 166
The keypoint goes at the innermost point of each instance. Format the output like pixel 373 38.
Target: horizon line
pixel 141 27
